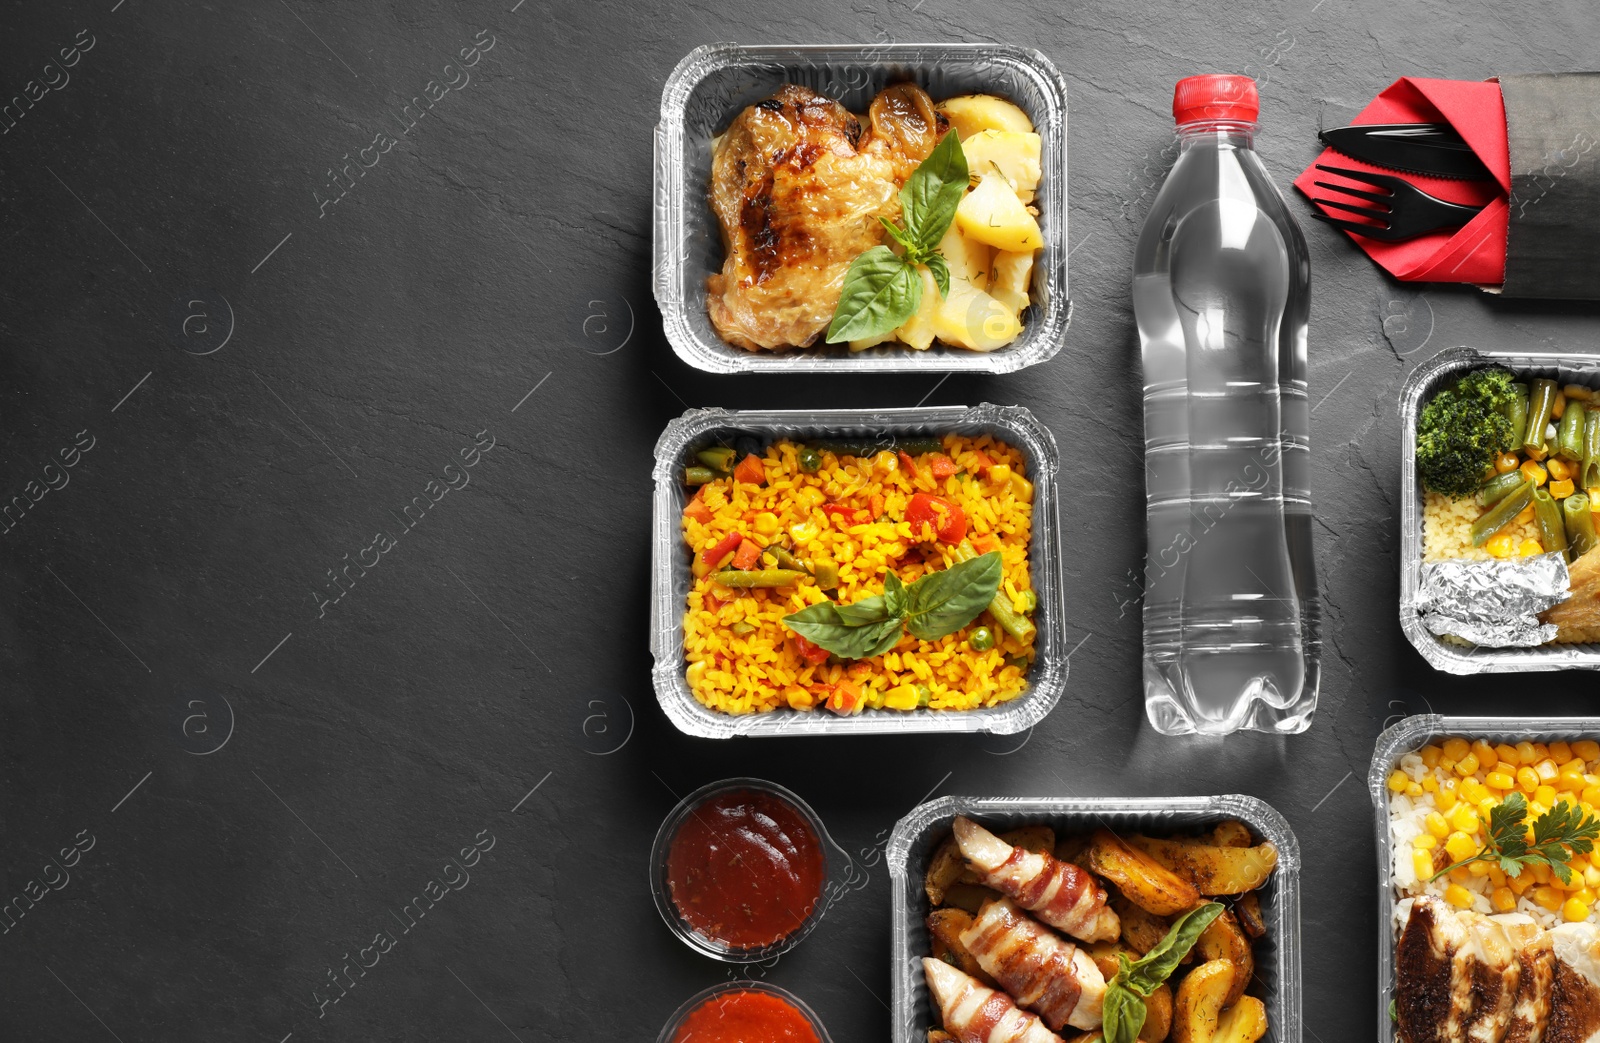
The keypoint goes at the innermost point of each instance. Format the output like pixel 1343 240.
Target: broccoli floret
pixel 1462 429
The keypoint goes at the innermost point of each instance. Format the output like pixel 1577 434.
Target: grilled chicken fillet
pixel 974 1013
pixel 1051 977
pixel 1059 893
pixel 1575 985
pixel 798 185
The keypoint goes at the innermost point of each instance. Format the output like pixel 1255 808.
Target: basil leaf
pixel 895 233
pixel 929 199
pixel 894 593
pixel 868 610
pixel 941 272
pixel 880 292
pixel 1122 1012
pixel 889 632
pixel 822 625
pixel 1146 974
pixel 867 628
pixel 941 603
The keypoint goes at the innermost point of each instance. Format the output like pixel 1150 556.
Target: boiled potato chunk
pixel 871 342
pixel 1244 1022
pixel 1012 273
pixel 974 113
pixel 973 319
pixel 992 213
pixel 1012 155
pixel 969 260
pixel 918 331
pixel 1199 1002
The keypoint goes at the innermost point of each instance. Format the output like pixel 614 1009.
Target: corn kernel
pixel 1588 749
pixel 1541 874
pixel 1487 758
pixel 1464 818
pixel 1559 406
pixel 1545 795
pixel 1547 770
pixel 1021 488
pixel 1460 875
pixel 1560 751
pixel 1566 782
pixel 1528 779
pixel 1000 474
pixel 1591 878
pixel 1561 490
pixel 1590 795
pixel 1577 391
pixel 1505 463
pixel 1503 900
pixel 1500 780
pixel 1414 789
pixel 1446 766
pixel 1436 825
pixel 1534 473
pixel 1460 846
pixel 1455 747
pixel 1496 876
pixel 1459 896
pixel 1397 781
pixel 1445 799
pixel 1486 807
pixel 1519 884
pixel 1584 895
pixel 1574 911
pixel 1525 752
pixel 1524 516
pixel 1427 842
pixel 1535 809
pixel 1548 898
pixel 1430 755
pixel 1422 864
pixel 1501 546
pixel 1530 548
pixel 1559 469
pixel 1471 790
pixel 1479 869
pixel 1508 756
pixel 1430 784
pixel 1540 752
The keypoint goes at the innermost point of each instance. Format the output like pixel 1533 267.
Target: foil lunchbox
pixel 916 836
pixel 715 82
pixel 670 566
pixel 1413 733
pixel 1419 387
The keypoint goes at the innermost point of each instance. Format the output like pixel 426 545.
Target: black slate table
pixel 262 302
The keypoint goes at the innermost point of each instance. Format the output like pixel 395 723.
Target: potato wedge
pixel 1142 879
pixel 1041 840
pixel 1248 910
pixel 974 113
pixel 944 928
pixel 1142 930
pixel 1157 1016
pixel 1069 847
pixel 1199 1002
pixel 1225 940
pixel 1104 955
pixel 969 896
pixel 940 1036
pixel 944 869
pixel 1213 870
pixel 1244 1022
pixel 1232 833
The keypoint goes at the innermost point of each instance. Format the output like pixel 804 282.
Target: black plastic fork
pixel 1400 209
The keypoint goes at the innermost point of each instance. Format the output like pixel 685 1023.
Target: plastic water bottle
pixel 1221 292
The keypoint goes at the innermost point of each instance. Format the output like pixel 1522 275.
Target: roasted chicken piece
pixel 1051 977
pixel 1061 894
pixel 798 185
pixel 1582 610
pixel 974 1013
pixel 1530 1009
pixel 1430 958
pixel 1575 985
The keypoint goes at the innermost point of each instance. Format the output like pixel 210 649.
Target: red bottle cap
pixel 1215 97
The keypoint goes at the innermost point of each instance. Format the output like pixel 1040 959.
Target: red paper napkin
pixel 1475 253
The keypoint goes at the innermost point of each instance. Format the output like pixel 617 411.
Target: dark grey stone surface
pixel 267 381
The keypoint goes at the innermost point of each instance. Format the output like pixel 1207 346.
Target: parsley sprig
pixel 1559 835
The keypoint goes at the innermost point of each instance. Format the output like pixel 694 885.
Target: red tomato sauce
pixel 745 869
pixel 745 1017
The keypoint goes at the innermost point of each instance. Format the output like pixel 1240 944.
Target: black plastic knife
pixel 1434 149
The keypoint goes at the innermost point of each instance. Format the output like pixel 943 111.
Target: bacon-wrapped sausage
pixel 1043 973
pixel 1059 893
pixel 974 1013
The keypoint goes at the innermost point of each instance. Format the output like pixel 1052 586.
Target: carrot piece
pixel 746 556
pixel 845 698
pixel 750 470
pixel 942 466
pixel 697 509
pixel 981 463
pixel 909 464
pixel 875 501
pixel 985 544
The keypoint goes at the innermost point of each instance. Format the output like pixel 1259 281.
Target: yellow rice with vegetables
pixel 845 524
pixel 1440 798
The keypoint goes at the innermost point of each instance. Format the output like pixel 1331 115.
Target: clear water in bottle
pixel 1221 293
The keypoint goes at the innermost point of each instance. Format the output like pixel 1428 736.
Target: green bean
pixel 760 578
pixel 1590 473
pixel 1569 437
pixel 1516 410
pixel 742 628
pixel 924 695
pixel 827 574
pixel 864 447
pixel 1499 487
pixel 1541 401
pixel 810 460
pixel 787 560
pixel 698 475
pixel 1547 515
pixel 1579 521
pixel 1019 627
pixel 1501 514
pixel 719 459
